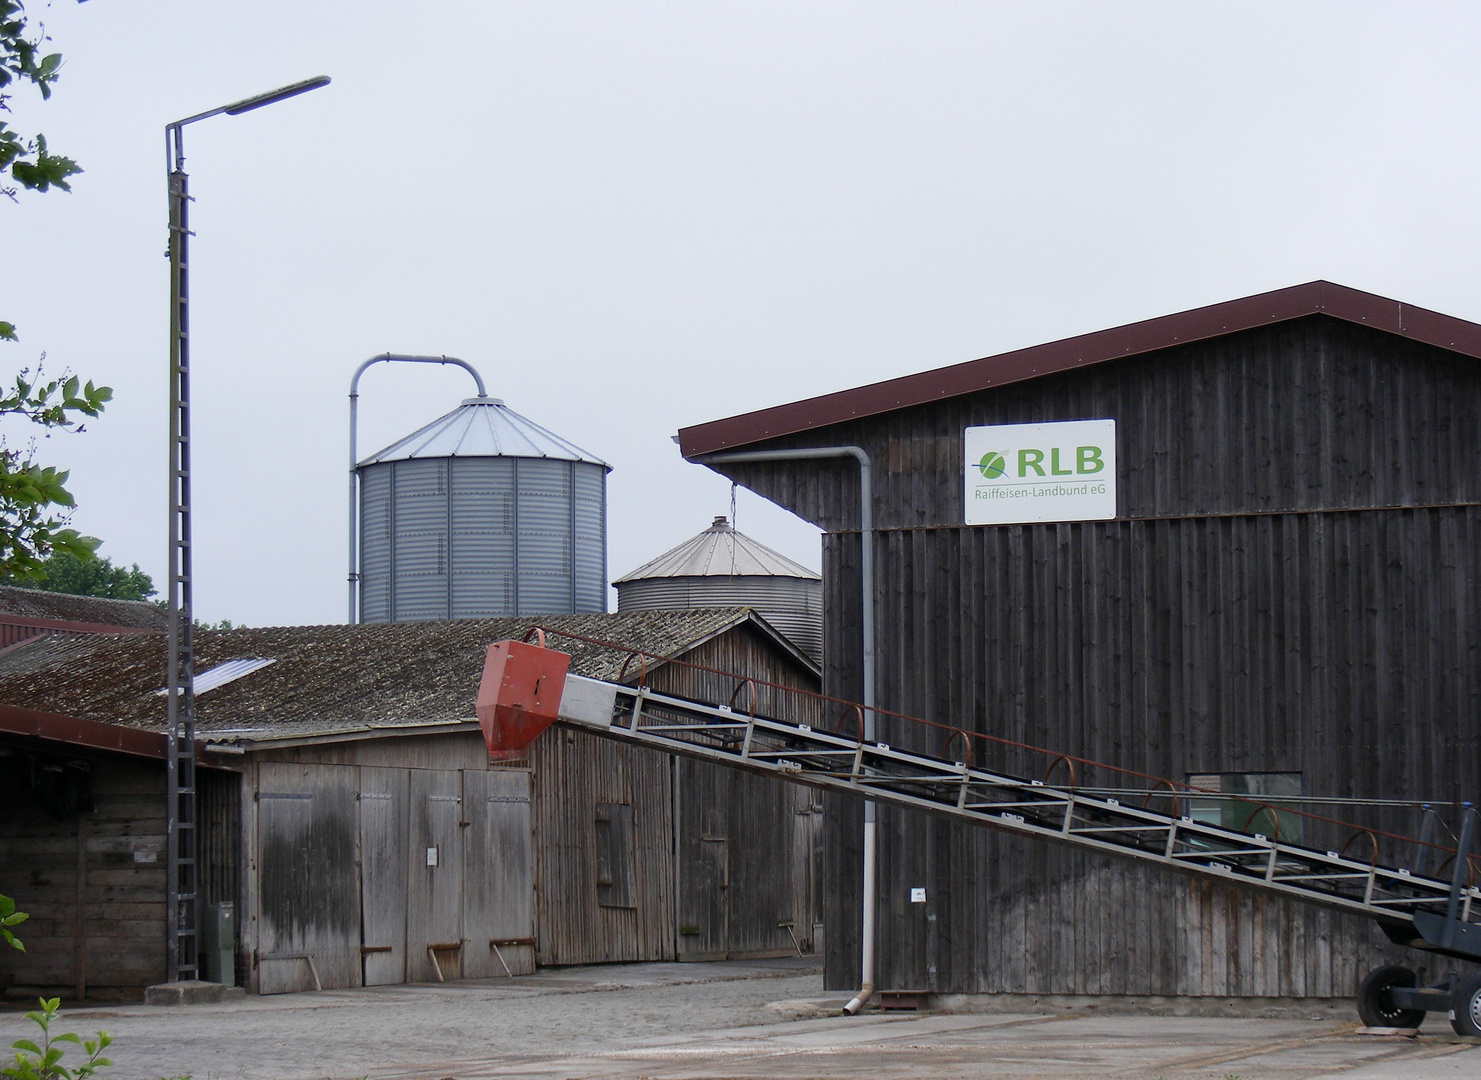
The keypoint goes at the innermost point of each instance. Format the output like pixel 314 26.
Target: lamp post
pixel 182 921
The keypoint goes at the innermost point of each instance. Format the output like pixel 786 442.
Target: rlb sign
pixel 1019 473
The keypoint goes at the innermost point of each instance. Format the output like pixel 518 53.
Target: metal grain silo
pixel 481 513
pixel 723 568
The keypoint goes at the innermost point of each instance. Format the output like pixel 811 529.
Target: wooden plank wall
pixel 499 886
pixel 308 881
pixel 573 772
pixel 745 844
pixel 1291 585
pixel 444 796
pixel 743 864
pixel 122 897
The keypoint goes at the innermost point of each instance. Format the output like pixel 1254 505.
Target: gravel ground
pixel 762 1020
pixel 349 1033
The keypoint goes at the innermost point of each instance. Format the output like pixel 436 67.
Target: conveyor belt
pixel 1413 909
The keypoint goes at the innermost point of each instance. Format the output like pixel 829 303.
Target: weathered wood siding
pixel 574 772
pixel 112 860
pixel 719 861
pixel 1291 585
pixel 499 911
pixel 437 857
pixel 385 859
pixel 746 845
pixel 308 880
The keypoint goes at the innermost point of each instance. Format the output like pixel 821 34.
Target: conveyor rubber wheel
pixel 1465 1006
pixel 1373 1004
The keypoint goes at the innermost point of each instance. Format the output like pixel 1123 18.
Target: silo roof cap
pixel 720 551
pixel 483 427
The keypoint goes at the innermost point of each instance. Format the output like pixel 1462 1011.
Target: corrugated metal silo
pixel 723 568
pixel 481 513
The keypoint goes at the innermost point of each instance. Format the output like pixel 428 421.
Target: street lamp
pixel 182 921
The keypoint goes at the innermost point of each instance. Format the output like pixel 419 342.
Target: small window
pixel 614 822
pixel 1252 802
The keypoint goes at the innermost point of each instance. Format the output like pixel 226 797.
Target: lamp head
pixel 280 94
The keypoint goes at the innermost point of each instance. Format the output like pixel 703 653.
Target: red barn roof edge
pixel 1198 324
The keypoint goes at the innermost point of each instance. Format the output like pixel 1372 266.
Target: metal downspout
pixel 354 575
pixel 866 594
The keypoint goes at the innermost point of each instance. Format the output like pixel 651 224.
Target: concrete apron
pixel 1272 1008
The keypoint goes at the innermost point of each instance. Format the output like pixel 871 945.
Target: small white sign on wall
pixel 1023 473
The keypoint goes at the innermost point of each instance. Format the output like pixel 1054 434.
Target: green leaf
pixel 27 1045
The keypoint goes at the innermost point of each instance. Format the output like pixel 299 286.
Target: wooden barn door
pixel 498 880
pixel 384 850
pixel 704 902
pixel 309 898
pixel 434 900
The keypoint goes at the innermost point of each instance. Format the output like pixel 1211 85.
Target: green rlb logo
pixel 1087 460
pixel 992 465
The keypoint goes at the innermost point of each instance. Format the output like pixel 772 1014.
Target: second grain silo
pixel 723 568
pixel 481 513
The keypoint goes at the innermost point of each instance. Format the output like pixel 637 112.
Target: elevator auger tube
pixel 383 358
pixel 866 600
pixel 526 687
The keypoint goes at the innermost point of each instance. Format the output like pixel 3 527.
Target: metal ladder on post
pixel 181 900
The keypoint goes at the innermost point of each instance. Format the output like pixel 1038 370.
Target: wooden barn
pixel 1263 579
pixel 350 814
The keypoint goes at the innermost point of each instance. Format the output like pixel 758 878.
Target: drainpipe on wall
pixel 866 593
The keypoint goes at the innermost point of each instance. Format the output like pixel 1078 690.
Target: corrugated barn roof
pixel 483 427
pixel 64 607
pixel 720 551
pixel 330 679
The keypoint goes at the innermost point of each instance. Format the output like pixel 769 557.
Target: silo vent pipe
pixel 383 358
pixel 866 599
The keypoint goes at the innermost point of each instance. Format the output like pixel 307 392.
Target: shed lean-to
pixel 1288 594
pixel 350 810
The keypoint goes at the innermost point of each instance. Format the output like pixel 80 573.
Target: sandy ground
pixel 763 1019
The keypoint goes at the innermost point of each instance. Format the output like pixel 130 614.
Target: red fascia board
pixel 63 626
pixel 15 720
pixel 1199 324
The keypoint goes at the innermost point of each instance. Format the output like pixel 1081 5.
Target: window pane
pixel 1252 802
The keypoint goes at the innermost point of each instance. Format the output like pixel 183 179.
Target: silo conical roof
pixel 483 427
pixel 720 551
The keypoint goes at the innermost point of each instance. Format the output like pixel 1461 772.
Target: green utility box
pixel 219 944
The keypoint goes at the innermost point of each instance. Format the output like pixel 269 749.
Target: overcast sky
pixel 632 217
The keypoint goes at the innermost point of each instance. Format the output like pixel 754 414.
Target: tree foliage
pixel 65 572
pixel 9 917
pixel 35 505
pixel 31 163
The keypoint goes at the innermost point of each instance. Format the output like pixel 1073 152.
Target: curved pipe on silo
pixel 383 358
pixel 866 591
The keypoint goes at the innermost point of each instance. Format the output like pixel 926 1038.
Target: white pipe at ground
pixel 871 894
pixel 866 604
